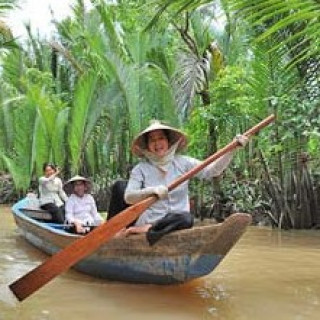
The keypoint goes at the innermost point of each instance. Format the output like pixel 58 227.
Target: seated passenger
pixel 81 209
pixel 51 194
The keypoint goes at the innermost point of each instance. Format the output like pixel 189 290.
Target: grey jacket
pixel 145 176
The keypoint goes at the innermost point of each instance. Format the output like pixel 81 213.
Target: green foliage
pixel 232 104
pixel 19 160
pixel 6 37
pixel 270 16
pixel 231 93
pixel 80 112
pixel 196 129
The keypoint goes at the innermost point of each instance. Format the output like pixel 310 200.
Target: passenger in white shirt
pixel 51 194
pixel 81 209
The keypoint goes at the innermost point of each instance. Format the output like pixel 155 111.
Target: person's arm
pixel 69 209
pixel 61 192
pixel 217 167
pixel 134 191
pixel 45 179
pixel 70 216
pixel 94 212
pixel 214 169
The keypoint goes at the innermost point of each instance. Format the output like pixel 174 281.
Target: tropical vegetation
pixel 213 68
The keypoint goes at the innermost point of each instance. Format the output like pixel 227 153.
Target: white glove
pixel 134 196
pixel 242 139
pixel 161 192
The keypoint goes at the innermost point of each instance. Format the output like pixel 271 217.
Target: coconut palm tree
pixel 294 23
pixel 125 82
pixel 86 99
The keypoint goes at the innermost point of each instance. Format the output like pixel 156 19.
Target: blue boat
pixel 176 258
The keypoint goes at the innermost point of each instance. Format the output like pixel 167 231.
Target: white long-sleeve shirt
pixel 51 191
pixel 145 175
pixel 82 209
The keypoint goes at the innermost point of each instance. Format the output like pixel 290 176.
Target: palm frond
pixel 7 109
pixel 190 77
pixel 67 55
pixel 20 174
pixel 293 20
pixel 19 161
pixel 83 96
pixel 40 149
pixel 59 141
pixel 13 68
pixel 175 6
pixel 111 29
pixel 156 96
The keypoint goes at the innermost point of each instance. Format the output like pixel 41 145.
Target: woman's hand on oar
pixel 242 139
pixel 80 248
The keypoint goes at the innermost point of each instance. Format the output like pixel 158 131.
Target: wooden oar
pixel 80 248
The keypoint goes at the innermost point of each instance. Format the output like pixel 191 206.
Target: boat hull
pixel 176 258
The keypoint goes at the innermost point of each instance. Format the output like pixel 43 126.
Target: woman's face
pixel 79 188
pixel 49 171
pixel 158 142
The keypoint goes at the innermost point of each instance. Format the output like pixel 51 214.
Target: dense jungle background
pixel 211 68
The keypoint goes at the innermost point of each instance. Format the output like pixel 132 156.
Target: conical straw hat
pixel 68 186
pixel 140 142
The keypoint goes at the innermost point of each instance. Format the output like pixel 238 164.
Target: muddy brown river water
pixel 268 275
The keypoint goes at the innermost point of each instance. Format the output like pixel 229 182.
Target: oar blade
pixel 77 250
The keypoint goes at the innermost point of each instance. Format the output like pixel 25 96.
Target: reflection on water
pixel 268 275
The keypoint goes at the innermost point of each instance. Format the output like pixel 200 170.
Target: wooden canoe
pixel 176 258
